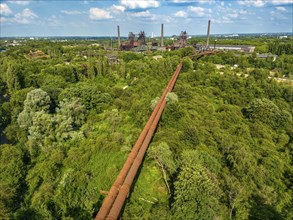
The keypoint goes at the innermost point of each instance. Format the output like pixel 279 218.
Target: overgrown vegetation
pixel 222 150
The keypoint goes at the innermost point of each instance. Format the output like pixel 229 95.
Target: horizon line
pixel 114 36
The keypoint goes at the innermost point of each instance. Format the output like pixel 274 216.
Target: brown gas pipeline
pixel 109 200
pixel 124 190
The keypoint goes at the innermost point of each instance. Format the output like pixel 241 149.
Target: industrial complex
pixel 138 43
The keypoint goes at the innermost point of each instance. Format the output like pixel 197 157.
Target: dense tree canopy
pixel 68 119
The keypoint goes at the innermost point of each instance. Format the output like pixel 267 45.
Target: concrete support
pixel 208 34
pixel 162 35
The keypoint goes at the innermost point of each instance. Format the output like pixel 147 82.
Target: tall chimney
pixel 119 43
pixel 208 34
pixel 162 35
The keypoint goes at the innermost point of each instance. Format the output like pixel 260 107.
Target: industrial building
pixel 241 48
pixel 137 43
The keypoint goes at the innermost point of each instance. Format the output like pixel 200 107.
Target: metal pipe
pixel 109 200
pixel 125 188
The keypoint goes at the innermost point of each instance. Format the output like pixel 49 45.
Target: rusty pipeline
pixel 125 188
pixel 112 194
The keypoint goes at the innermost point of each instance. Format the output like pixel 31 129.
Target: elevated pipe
pixel 109 200
pixel 125 188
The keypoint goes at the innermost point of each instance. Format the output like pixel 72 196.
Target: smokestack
pixel 208 34
pixel 119 43
pixel 162 35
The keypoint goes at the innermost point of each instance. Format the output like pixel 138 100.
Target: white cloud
pixel 180 14
pixel 142 14
pixel 74 12
pixel 118 8
pixel 281 8
pixel 27 13
pixel 99 14
pixel 261 3
pixel 20 20
pixel 133 4
pixel 52 22
pixel 278 2
pixel 277 15
pixel 180 1
pixel 206 1
pixel 223 20
pixel 234 15
pixel 168 19
pixel 199 11
pixel 145 15
pixel 4 9
pixel 25 17
pixel 193 12
pixel 22 2
pixel 194 1
pixel 255 3
pixel 243 12
pixel 222 3
pixel 2 19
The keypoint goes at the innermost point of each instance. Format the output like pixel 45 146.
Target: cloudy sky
pixel 101 17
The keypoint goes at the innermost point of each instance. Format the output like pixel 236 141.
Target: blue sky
pixel 101 17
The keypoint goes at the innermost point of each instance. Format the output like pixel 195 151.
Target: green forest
pixel 70 113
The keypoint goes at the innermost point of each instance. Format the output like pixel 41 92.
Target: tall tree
pixel 36 100
pixel 12 78
pixel 196 191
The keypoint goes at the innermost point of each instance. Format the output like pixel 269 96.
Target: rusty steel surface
pixel 205 53
pixel 116 187
pixel 125 188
